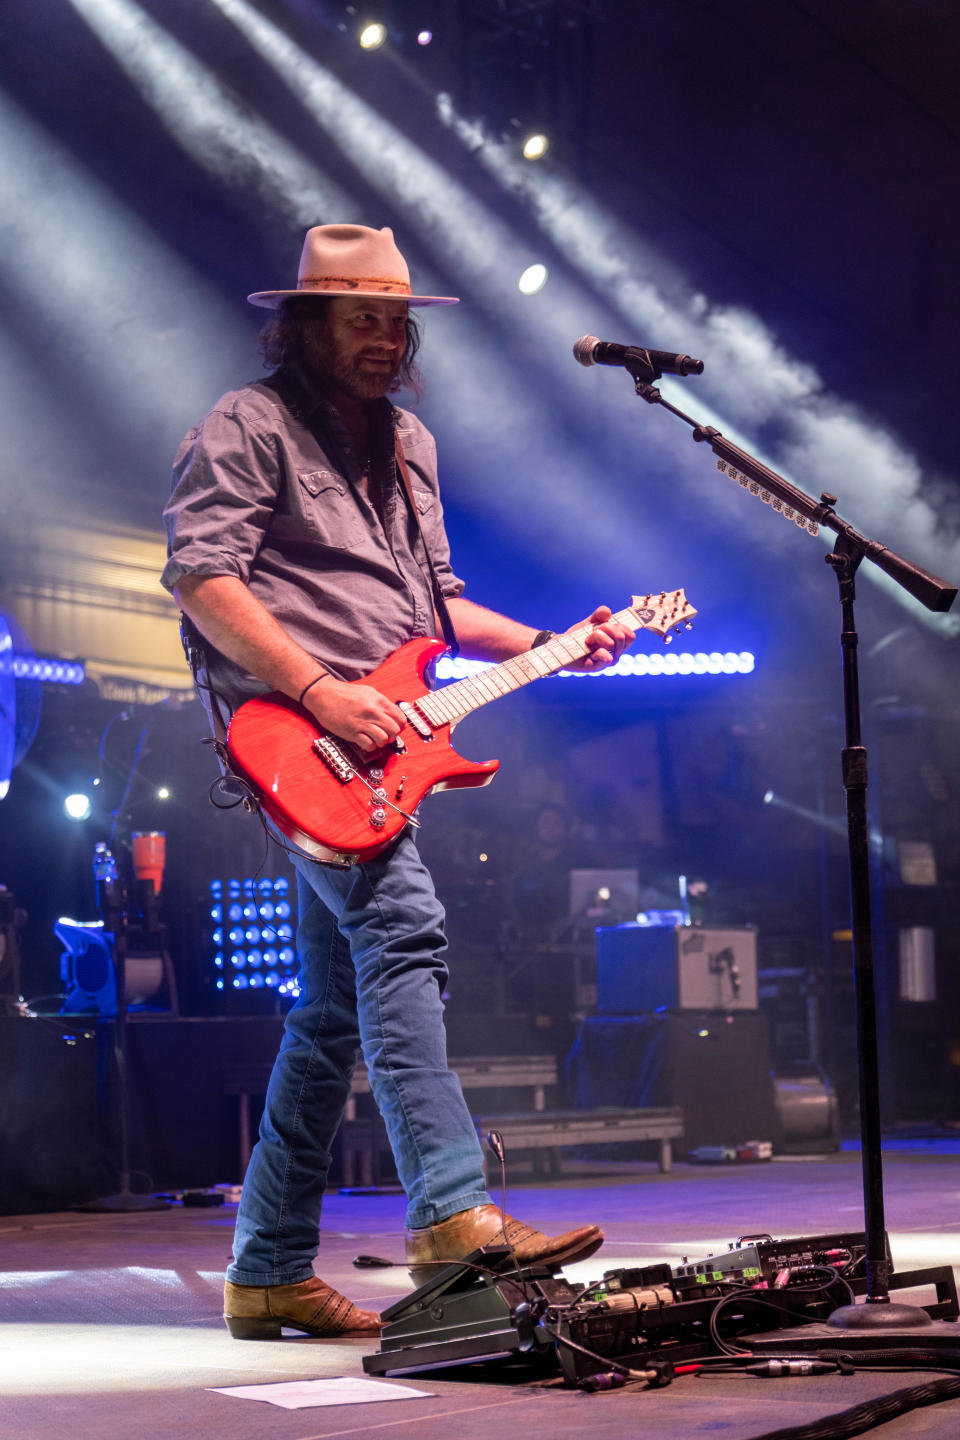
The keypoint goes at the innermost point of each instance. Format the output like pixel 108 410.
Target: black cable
pixel 871 1413
pixel 750 1295
pixel 606 1360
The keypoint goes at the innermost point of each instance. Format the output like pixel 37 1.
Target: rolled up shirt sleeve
pixel 226 480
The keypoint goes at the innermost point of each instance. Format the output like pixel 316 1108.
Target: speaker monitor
pixel 642 968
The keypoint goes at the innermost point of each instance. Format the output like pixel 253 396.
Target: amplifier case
pixel 687 967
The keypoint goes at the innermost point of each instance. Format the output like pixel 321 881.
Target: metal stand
pixel 111 898
pixel 937 595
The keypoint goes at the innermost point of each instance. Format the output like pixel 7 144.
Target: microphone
pixel 591 351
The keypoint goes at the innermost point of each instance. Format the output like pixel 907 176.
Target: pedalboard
pixel 483 1309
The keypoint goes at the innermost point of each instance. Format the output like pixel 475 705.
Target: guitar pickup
pixel 414 717
pixel 334 757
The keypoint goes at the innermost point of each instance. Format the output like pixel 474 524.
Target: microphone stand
pixel 850 549
pixel 112 901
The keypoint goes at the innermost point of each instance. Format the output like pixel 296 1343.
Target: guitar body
pixel 321 803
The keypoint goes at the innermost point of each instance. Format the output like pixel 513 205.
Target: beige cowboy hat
pixel 351 260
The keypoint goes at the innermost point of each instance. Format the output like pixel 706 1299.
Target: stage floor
pixel 111 1324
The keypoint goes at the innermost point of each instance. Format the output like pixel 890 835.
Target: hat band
pixel 351 282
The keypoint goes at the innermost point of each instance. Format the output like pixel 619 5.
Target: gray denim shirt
pixel 267 489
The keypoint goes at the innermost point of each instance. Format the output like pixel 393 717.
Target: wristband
pixel 316 680
pixel 542 638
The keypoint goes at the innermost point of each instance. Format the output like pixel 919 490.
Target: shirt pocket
pixel 329 509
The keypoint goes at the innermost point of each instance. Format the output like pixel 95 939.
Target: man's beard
pixel 329 369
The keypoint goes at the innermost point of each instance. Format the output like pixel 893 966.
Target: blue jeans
pixel 370 942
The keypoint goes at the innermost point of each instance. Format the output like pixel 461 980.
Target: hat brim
pixel 272 299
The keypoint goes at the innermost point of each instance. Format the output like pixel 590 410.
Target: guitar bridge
pixel 334 758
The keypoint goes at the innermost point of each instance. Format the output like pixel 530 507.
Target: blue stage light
pixel 259 954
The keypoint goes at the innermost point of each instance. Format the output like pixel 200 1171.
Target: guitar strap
pixel 446 624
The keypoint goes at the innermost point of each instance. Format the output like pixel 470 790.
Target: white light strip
pixel 29 667
pixel 672 662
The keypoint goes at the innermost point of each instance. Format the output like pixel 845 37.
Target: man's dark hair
pixel 285 340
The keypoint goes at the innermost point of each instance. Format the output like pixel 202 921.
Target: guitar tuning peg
pixel 678 629
pixel 668 639
pixel 722 466
pixel 689 625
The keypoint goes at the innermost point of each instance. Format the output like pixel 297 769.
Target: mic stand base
pixel 124 1203
pixel 879 1315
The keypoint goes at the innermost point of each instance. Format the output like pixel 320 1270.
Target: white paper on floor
pixel 344 1390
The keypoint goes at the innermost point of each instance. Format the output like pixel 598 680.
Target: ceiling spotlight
pixel 535 147
pixel 424 37
pixel 77 807
pixel 533 279
pixel 163 793
pixel 373 36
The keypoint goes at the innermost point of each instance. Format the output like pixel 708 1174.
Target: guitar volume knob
pixel 375 775
pixel 378 817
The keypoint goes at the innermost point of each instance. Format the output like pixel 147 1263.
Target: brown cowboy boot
pixel 257 1312
pixel 481 1227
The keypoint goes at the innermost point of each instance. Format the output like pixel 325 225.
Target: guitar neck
pixel 453 702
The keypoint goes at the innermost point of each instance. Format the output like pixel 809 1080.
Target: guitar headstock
pixel 662 613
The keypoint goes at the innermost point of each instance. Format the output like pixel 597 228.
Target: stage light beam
pixel 77 807
pixel 209 120
pixel 750 380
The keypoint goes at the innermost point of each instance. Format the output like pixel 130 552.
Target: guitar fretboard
pixel 447 706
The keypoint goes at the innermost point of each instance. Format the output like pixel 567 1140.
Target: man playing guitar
pixel 304 563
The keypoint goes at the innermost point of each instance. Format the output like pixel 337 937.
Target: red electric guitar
pixel 341 805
